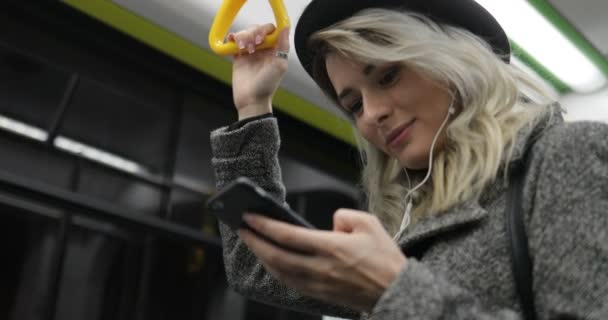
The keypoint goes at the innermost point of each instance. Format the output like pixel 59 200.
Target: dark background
pixel 84 239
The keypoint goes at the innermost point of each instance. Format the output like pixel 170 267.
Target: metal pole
pixel 63 234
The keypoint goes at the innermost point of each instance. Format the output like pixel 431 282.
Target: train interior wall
pixel 104 171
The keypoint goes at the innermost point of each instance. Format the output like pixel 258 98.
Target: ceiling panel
pixel 589 17
pixel 190 20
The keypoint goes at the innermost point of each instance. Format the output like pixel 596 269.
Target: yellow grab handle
pixel 224 18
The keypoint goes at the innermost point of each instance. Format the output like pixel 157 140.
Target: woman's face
pixel 395 108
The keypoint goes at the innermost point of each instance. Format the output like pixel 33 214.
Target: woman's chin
pixel 410 162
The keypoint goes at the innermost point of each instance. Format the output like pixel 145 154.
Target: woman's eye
pixel 390 77
pixel 355 107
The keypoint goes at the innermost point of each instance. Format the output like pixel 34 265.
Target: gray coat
pixel 458 262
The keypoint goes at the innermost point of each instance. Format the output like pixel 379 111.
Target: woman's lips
pixel 399 135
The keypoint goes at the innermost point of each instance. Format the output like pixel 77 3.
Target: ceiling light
pixel 544 84
pixel 97 155
pixel 23 129
pixel 538 37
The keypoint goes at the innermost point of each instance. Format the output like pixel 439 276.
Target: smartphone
pixel 243 195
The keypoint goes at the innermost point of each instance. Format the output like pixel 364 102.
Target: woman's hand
pixel 351 266
pixel 256 74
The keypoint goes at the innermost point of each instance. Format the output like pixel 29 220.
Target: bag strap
pixel 518 242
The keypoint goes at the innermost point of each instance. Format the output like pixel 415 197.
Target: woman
pixel 442 120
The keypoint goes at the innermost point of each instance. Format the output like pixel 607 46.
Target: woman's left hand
pixel 352 265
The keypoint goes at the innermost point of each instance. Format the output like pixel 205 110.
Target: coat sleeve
pixel 567 199
pixel 251 150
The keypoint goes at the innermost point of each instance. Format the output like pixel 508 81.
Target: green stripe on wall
pixel 207 62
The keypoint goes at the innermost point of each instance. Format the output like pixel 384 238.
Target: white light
pixel 22 129
pixel 97 155
pixel 543 83
pixel 539 38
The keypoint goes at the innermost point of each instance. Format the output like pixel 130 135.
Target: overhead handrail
pixel 225 17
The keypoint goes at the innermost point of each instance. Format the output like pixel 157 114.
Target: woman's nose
pixel 376 109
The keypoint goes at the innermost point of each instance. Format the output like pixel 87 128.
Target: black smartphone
pixel 243 195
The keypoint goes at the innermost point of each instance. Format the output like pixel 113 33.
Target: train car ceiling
pixel 180 29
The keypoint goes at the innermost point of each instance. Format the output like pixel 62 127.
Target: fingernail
pixel 248 218
pixel 258 39
pixel 251 220
pixel 241 45
pixel 251 48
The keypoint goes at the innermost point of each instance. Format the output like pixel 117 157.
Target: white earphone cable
pixel 405 221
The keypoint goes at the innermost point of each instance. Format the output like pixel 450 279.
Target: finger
pixel 282 262
pixel 301 281
pixel 315 288
pixel 263 31
pixel 248 39
pixel 295 237
pixel 349 221
pixel 245 39
pixel 239 38
pixel 283 42
pixel 231 38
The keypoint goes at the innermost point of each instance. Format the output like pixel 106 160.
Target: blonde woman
pixel 442 122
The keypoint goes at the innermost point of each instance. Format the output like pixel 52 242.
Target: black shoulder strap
pixel 518 241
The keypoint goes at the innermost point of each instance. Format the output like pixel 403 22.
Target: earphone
pixel 405 221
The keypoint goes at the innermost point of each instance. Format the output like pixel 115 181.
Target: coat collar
pixel 462 214
pixel 471 211
pixel 529 134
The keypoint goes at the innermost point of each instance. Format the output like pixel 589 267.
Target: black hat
pixel 466 14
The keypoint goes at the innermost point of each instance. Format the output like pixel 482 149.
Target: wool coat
pixel 459 260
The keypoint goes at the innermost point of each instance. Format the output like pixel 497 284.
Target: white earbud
pixel 451 110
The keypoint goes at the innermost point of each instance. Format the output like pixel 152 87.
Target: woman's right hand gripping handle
pixel 256 74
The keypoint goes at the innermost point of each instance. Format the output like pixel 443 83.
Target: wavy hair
pixel 488 93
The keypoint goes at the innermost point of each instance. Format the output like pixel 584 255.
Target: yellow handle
pixel 224 18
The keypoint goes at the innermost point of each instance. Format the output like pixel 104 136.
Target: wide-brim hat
pixel 467 14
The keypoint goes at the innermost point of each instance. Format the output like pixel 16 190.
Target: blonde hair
pixel 488 92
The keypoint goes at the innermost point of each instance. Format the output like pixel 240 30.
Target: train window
pixel 24 159
pixel 28 247
pixel 119 190
pixel 188 208
pixel 119 124
pixel 92 282
pixel 30 91
pixel 193 161
pixel 184 282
